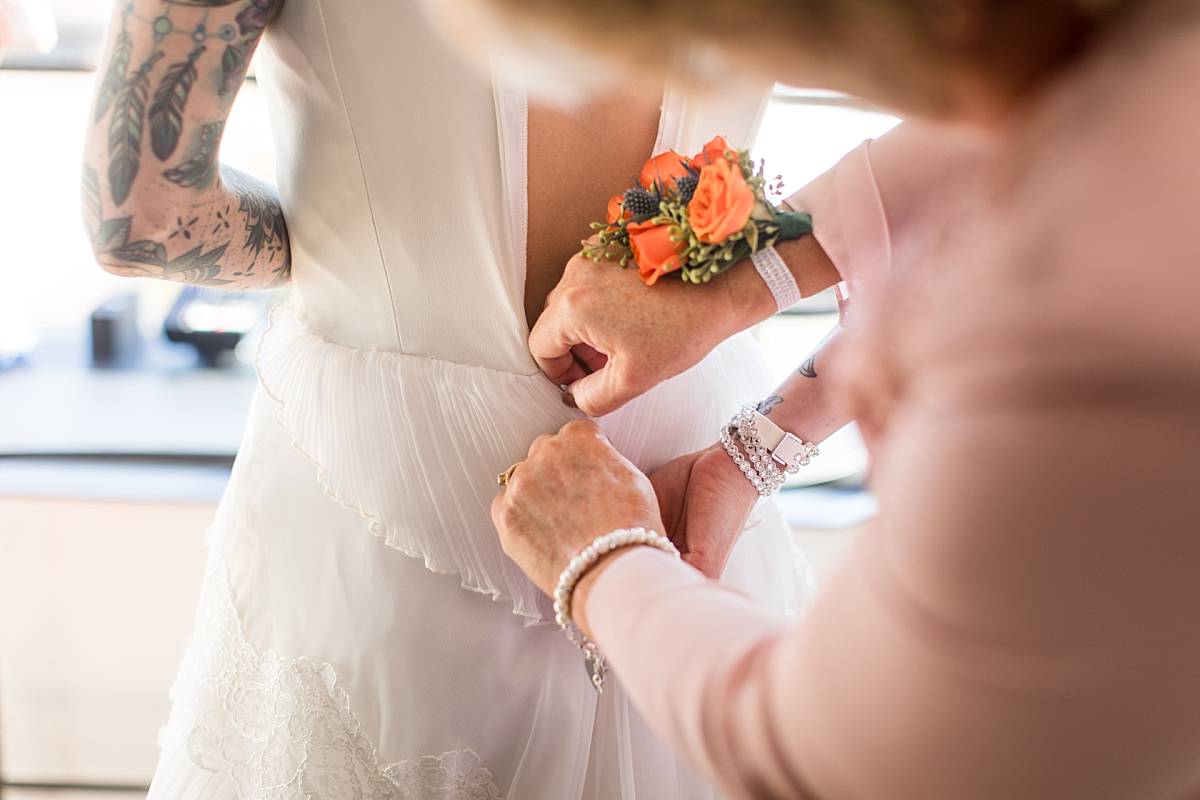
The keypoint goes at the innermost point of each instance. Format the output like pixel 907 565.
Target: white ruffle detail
pixel 414 444
pixel 282 729
pixel 391 434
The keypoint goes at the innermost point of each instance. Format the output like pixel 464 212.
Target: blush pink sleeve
pixel 874 197
pixel 1020 621
pixel 693 656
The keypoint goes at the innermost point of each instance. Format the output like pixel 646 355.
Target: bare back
pixel 578 159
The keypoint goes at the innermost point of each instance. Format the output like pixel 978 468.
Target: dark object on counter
pixel 115 338
pixel 213 321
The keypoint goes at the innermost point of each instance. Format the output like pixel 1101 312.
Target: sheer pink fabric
pixel 1021 619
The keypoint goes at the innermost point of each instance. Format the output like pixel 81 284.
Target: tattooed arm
pixel 156 201
pixel 806 403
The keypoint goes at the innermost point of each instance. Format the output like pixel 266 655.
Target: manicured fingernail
pixel 569 400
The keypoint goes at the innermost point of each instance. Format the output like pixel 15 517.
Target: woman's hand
pixel 705 500
pixel 573 487
pixel 611 338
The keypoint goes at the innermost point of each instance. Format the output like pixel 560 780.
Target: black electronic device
pixel 213 321
pixel 116 341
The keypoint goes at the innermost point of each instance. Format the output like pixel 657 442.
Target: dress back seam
pixel 362 171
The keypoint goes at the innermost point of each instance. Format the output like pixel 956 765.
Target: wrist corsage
pixel 696 216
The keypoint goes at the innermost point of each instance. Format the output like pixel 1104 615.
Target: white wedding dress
pixel 360 633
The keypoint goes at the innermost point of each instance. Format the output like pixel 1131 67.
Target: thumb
pixel 712 535
pixel 551 342
pixel 602 392
pixel 670 483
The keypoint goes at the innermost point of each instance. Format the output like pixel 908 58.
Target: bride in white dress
pixel 360 633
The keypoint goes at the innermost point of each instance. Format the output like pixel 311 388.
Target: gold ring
pixel 504 477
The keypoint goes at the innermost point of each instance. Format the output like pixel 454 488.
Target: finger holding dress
pixel 573 487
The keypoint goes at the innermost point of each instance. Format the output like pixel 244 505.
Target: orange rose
pixel 653 250
pixel 663 169
pixel 616 209
pixel 722 203
pixel 713 152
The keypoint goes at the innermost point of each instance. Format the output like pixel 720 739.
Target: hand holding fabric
pixel 609 338
pixel 704 500
pixel 573 487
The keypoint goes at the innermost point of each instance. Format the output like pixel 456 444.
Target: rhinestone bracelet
pixel 757 465
pixel 767 470
pixel 764 484
pixel 760 457
pixel 576 568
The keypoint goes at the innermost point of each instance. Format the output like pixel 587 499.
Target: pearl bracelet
pixel 579 566
pixel 765 464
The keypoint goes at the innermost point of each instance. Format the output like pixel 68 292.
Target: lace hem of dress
pixel 282 729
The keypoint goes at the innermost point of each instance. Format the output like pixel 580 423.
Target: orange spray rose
pixel 653 250
pixel 616 209
pixel 664 168
pixel 713 152
pixel 722 203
